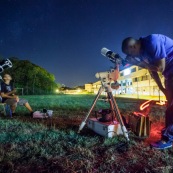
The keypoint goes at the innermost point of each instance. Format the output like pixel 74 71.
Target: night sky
pixel 66 36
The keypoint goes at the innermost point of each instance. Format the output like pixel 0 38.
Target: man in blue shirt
pixel 155 53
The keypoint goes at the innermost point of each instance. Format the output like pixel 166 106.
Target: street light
pixel 57 90
pixel 78 90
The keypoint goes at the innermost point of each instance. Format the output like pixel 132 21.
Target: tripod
pixel 106 86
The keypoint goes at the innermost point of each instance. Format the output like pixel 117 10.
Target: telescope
pixel 4 64
pixel 113 57
pixel 106 78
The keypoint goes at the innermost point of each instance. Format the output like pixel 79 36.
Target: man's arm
pixel 5 95
pixel 156 78
pixel 142 64
pixel 159 65
pixel 11 92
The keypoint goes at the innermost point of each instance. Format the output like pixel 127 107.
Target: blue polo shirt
pixel 156 47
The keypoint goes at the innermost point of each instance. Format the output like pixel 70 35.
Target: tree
pixel 33 78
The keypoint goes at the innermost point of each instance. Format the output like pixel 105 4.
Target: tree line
pixel 31 77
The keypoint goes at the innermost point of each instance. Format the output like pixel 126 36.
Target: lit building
pixel 93 87
pixel 89 87
pixel 137 80
pixel 134 80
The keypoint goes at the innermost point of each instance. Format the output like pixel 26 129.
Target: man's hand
pixel 11 92
pixel 14 91
pixel 165 92
pixel 16 97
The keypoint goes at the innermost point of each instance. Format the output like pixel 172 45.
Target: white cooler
pixel 108 129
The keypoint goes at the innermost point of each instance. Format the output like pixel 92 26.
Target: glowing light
pixel 127 71
pixel 57 90
pixel 139 114
pixel 161 103
pixel 145 105
pixel 78 90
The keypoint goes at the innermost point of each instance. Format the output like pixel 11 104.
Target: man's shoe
pixel 161 145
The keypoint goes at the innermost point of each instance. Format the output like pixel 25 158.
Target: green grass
pixel 62 103
pixel 70 104
pixel 38 146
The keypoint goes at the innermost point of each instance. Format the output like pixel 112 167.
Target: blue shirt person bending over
pixel 155 53
pixel 8 94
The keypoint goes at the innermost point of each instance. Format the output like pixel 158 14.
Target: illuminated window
pixel 121 74
pixel 127 71
pixel 135 79
pixel 133 70
pixel 139 79
pixel 146 77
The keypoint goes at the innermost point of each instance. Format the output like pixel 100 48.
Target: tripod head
pixel 103 76
pixel 108 76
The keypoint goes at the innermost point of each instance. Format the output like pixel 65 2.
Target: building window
pixel 135 79
pixel 127 71
pixel 133 70
pixel 146 77
pixel 121 74
pixel 140 68
pixel 143 78
pixel 139 78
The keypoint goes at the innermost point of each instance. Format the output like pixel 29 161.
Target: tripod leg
pixel 124 130
pixel 89 112
pixel 112 108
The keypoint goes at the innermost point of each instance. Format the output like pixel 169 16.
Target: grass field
pixel 40 146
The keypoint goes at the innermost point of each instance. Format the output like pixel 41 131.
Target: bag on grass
pixel 40 114
pixel 140 124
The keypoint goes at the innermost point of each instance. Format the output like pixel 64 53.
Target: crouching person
pixel 10 98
